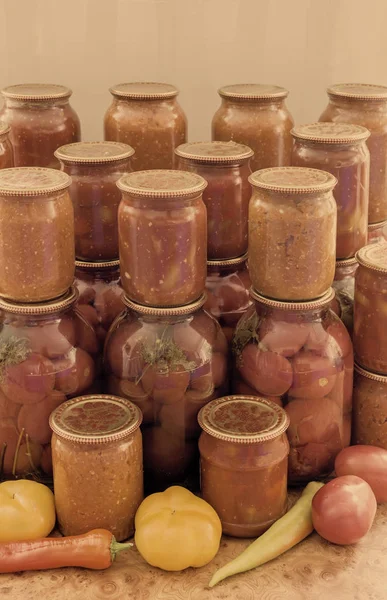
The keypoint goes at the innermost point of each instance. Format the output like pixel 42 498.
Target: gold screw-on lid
pixel 144 90
pixel 97 265
pixel 36 91
pixel 374 226
pixel 93 152
pixel 155 311
pixel 300 305
pixel 369 374
pixel 346 262
pixel 4 128
pixel 162 183
pixel 228 262
pixel 331 133
pixel 358 91
pixel 293 180
pixel 32 181
pixel 252 91
pixel 214 152
pixel 40 308
pixel 373 256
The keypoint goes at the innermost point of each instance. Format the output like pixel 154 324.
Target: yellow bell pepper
pixel 27 511
pixel 175 529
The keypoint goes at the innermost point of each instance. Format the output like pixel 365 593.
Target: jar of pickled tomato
pixel 369 408
pixel 6 150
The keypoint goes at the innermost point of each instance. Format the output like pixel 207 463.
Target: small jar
pixel 41 119
pixel 302 353
pixel 292 233
pixel 95 168
pixel 170 362
pixel 162 227
pixel 244 463
pixel 97 460
pixel 370 315
pixel 340 149
pixel 226 168
pixel 36 234
pixel 369 408
pixel 148 117
pixel 365 105
pixel 6 150
pixel 256 115
pixel 375 232
pixel 227 292
pixel 344 286
pixel 47 354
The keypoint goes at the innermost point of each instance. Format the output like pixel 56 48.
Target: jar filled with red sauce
pixel 226 168
pixel 369 408
pixel 375 232
pixel 344 287
pixel 162 227
pixel 256 115
pixel 302 353
pixel 244 463
pixel 365 105
pixel 148 117
pixel 6 150
pixel 47 354
pixel 94 168
pixel 340 149
pixel 41 119
pixel 169 362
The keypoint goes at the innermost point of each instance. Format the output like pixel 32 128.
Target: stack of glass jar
pixel 290 347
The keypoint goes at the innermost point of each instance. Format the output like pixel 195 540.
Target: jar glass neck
pixel 159 203
pixel 257 103
pixel 286 314
pixel 36 104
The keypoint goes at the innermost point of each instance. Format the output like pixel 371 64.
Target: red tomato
pixel 9 436
pixel 33 418
pixel 310 461
pixel 314 421
pixel 28 458
pixel 317 338
pixel 166 455
pixel 8 408
pixel 269 373
pixel 89 313
pixel 367 462
pixel 87 337
pixel 52 338
pixel 218 368
pixel 202 380
pixel 75 373
pixel 135 393
pixel 282 337
pixel 339 341
pixel 46 460
pixel 29 381
pixel 123 349
pixel 109 304
pixel 165 388
pixel 313 376
pixel 344 510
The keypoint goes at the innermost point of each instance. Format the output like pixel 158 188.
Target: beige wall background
pixel 198 45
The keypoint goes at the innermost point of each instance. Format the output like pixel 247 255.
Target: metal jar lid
pixel 154 311
pixel 358 91
pixel 369 374
pixel 32 181
pixel 144 90
pixel 36 92
pixel 300 305
pixel 253 91
pixel 331 133
pixel 215 153
pixel 97 265
pixel 41 308
pixel 293 180
pixel 374 257
pixel 93 152
pixel 162 183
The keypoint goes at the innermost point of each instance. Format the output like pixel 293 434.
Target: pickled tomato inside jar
pixel 50 338
pixel 123 349
pixel 75 373
pixel 267 372
pixel 167 457
pixel 313 376
pixel 165 386
pixel 282 337
pixel 28 381
pixel 133 390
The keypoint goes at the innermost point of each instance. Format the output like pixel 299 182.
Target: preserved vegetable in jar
pixel 148 117
pixel 365 105
pixel 375 232
pixel 344 286
pixel 6 150
pixel 226 168
pixel 302 353
pixel 36 234
pixel 94 168
pixel 169 362
pixel 47 354
pixel 97 461
pixel 41 119
pixel 369 408
pixel 340 149
pixel 244 463
pixel 162 227
pixel 292 232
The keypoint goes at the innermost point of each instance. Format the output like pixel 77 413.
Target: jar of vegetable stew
pixel 41 120
pixel 95 168
pixel 162 225
pixel 292 232
pixel 97 461
pixel 36 234
pixel 369 408
pixel 366 105
pixel 256 115
pixel 47 354
pixel 302 353
pixel 149 118
pixel 244 462
pixel 340 149
pixel 226 168
pixel 375 232
pixel 170 362
pixel 6 150
pixel 344 287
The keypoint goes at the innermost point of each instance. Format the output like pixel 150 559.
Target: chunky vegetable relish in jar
pixel 244 462
pixel 97 460
pixel 6 150
pixel 344 286
pixel 369 408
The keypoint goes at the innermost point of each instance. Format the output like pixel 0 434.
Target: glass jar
pixel 256 115
pixel 6 150
pixel 36 234
pixel 340 149
pixel 370 315
pixel 375 232
pixel 170 362
pixel 227 292
pixel 226 168
pixel 369 409
pixel 366 105
pixel 95 168
pixel 302 353
pixel 292 233
pixel 244 463
pixel 149 118
pixel 41 120
pixel 162 227
pixel 47 354
pixel 344 286
pixel 97 461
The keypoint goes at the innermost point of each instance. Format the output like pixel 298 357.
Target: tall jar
pixel 148 117
pixel 375 232
pixel 256 115
pixel 6 150
pixel 302 353
pixel 244 463
pixel 366 105
pixel 170 362
pixel 97 460
pixel 162 228
pixel 369 408
pixel 292 232
pixel 344 287
pixel 41 119
pixel 226 168
pixel 36 234
pixel 340 149
pixel 47 354
pixel 94 168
